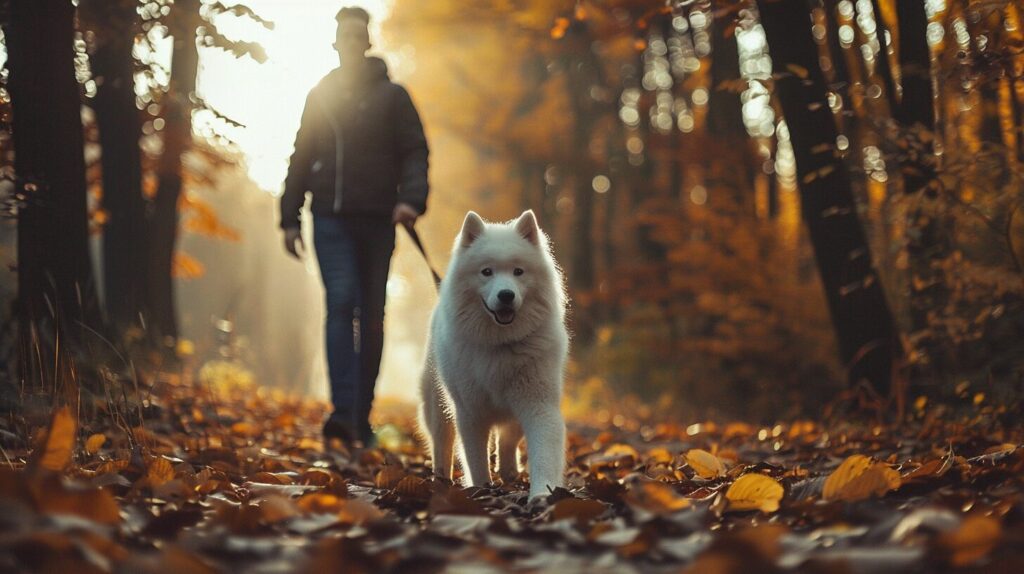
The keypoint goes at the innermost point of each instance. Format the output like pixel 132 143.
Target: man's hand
pixel 404 214
pixel 293 242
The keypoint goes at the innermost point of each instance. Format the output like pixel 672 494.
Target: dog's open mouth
pixel 503 316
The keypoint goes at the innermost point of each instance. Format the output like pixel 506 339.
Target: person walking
pixel 361 154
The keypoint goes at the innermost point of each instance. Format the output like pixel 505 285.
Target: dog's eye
pixel 517 271
pixel 487 272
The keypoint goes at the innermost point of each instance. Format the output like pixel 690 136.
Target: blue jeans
pixel 354 254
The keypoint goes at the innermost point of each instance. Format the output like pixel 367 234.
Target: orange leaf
pixel 93 444
pixel 656 497
pixel 973 540
pixel 159 472
pixel 60 440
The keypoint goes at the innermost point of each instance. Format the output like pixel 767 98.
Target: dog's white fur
pixel 482 375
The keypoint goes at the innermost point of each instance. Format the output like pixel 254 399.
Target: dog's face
pixel 503 266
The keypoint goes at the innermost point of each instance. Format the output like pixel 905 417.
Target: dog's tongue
pixel 505 316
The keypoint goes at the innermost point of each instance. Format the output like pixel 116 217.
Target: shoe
pixel 336 426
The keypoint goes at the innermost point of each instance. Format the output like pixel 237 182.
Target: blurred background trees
pixel 758 205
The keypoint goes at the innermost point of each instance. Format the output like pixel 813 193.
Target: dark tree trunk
pixel 177 113
pixel 54 272
pixel 584 73
pixel 860 314
pixel 124 235
pixel 915 112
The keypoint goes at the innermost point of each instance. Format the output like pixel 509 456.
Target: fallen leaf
pixel 754 491
pixel 973 540
pixel 860 477
pixel 94 442
pixel 160 471
pixel 656 497
pixel 582 510
pixel 60 441
pixel 705 464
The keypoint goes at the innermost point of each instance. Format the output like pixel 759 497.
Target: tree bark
pixel 117 118
pixel 857 304
pixel 55 282
pixel 177 114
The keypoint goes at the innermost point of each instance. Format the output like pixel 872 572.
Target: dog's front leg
pixel 474 434
pixel 545 447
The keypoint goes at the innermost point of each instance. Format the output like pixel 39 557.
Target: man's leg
pixel 336 253
pixel 376 244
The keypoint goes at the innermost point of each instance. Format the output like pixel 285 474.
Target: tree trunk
pixel 177 114
pixel 124 235
pixel 916 111
pixel 860 313
pixel 56 293
pixel 584 73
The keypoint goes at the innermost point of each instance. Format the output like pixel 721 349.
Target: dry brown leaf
pixel 414 487
pixel 754 491
pixel 60 441
pixel 859 477
pixel 389 477
pixel 160 471
pixel 656 497
pixel 95 504
pixel 705 464
pixel 358 512
pixel 276 508
pixel 580 509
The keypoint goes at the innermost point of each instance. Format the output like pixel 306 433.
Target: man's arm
pixel 296 183
pixel 412 154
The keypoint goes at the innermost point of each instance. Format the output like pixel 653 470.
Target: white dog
pixel 496 355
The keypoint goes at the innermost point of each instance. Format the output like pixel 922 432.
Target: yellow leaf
pixel 705 464
pixel 660 455
pixel 976 536
pixel 754 492
pixel 860 477
pixel 93 444
pixel 60 440
pixel 160 471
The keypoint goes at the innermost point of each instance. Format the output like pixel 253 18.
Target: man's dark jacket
pixel 369 126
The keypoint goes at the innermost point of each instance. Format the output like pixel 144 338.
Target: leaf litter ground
pixel 236 479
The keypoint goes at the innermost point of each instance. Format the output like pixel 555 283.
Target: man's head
pixel 353 36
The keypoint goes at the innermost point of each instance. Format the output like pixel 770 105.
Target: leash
pixel 419 245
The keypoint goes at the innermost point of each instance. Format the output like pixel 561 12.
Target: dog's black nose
pixel 506 296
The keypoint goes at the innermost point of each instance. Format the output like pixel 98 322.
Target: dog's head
pixel 507 269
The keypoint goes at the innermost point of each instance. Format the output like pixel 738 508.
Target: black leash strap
pixel 419 245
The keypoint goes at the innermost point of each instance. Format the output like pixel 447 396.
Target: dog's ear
pixel 472 227
pixel 526 225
